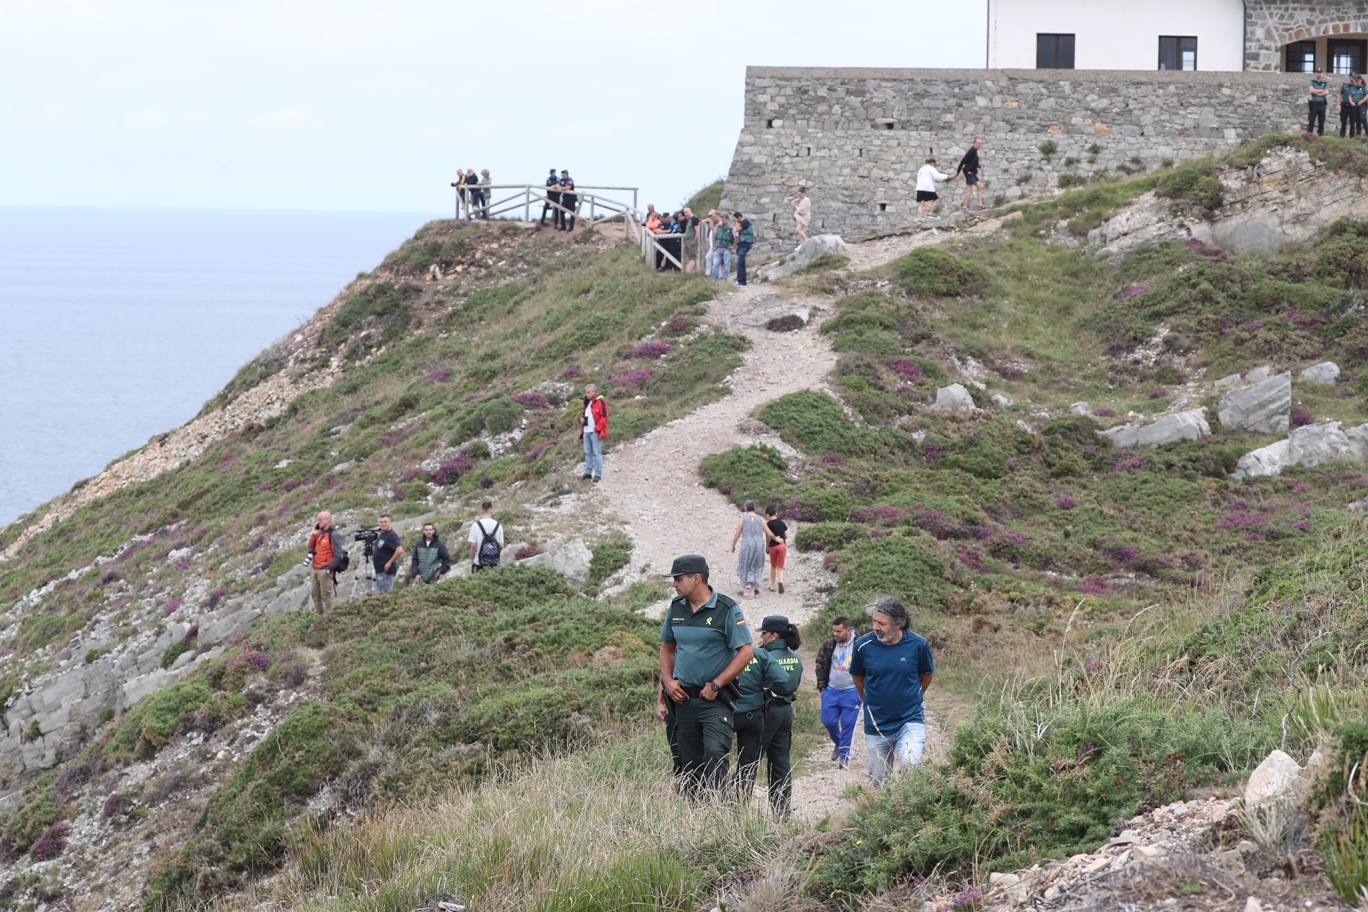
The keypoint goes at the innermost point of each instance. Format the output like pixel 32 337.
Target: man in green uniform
pixel 704 645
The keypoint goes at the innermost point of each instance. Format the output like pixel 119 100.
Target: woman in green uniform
pixel 764 712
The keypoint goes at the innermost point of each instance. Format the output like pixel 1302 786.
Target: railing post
pixel 527 204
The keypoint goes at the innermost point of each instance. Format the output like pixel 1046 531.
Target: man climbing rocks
pixel 325 559
pixel 704 645
pixel 892 669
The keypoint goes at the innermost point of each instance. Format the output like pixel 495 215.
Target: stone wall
pixel 856 137
pixel 1272 24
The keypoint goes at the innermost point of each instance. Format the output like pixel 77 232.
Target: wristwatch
pixel 713 685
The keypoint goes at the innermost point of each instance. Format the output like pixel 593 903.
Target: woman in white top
pixel 802 214
pixel 928 200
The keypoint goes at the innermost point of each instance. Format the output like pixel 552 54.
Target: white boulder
pixel 814 247
pixel 1264 462
pixel 570 557
pixel 954 398
pixel 1189 425
pixel 1277 779
pixel 1264 408
pixel 1325 374
pixel 1312 445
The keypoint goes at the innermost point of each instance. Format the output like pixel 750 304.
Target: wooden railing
pixel 592 204
pixel 651 249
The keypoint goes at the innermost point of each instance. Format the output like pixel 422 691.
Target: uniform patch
pixel 741 622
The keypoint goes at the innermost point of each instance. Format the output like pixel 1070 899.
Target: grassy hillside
pixel 1132 625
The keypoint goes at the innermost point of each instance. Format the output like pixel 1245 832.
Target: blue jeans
pixel 904 746
pixel 384 582
pixel 741 250
pixel 593 454
pixel 840 711
pixel 722 263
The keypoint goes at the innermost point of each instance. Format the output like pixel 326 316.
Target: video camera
pixel 369 536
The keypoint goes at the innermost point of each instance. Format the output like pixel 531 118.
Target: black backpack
pixel 490 549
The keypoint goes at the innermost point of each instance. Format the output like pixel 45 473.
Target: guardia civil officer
pixel 780 671
pixel 552 196
pixel 569 199
pixel 704 645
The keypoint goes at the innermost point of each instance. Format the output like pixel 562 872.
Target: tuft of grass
pixel 937 273
pixel 706 198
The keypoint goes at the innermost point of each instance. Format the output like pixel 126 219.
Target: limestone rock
pixel 1359 506
pixel 1278 778
pixel 1263 462
pixel 1325 374
pixel 1320 443
pixel 1081 409
pixel 814 247
pixel 1001 400
pixel 1229 381
pixel 1259 374
pixel 1188 425
pixel 954 398
pixel 570 557
pixel 1264 408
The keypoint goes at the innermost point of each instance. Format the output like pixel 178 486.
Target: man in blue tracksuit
pixel 840 699
pixel 892 669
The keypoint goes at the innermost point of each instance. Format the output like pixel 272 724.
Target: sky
pixel 371 106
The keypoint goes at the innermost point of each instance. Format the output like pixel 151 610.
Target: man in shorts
pixel 969 167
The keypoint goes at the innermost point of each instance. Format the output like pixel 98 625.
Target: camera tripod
pixel 366 577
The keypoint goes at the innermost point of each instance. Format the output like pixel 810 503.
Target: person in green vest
pixel 782 672
pixel 704 645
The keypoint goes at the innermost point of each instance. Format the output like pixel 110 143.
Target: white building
pixel 1219 35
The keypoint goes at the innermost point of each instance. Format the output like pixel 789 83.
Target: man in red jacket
pixel 593 431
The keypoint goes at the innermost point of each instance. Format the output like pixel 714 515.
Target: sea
pixel 118 324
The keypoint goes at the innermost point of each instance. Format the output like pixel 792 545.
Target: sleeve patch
pixel 740 622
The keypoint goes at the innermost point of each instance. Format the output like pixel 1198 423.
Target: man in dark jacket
pixel 431 561
pixel 840 700
pixel 325 559
pixel 969 167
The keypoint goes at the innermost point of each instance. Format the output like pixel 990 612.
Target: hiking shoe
pixel 843 763
pixel 597 479
pixel 781 588
pixel 586 477
pixel 835 753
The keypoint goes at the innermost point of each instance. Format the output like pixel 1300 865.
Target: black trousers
pixel 703 735
pixel 778 746
pixel 1344 120
pixel 569 201
pixel 1356 124
pixel 671 737
pixel 1315 119
pixel 750 747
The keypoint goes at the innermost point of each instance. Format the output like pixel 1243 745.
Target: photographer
pixel 326 550
pixel 431 561
pixel 388 551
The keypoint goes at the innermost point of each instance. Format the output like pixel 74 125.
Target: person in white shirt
pixel 928 200
pixel 486 539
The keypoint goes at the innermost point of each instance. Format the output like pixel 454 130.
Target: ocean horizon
pixel 122 323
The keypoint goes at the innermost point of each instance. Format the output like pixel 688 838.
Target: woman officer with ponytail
pixel 779 641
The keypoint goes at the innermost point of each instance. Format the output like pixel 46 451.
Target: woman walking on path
pixel 778 547
pixel 751 532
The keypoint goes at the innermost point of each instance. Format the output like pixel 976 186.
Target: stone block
pixel 1324 374
pixel 954 398
pixel 1188 425
pixel 1264 408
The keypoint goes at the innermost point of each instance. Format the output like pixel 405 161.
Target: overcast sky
pixel 372 105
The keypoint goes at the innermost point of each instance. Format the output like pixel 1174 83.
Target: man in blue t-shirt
pixel 892 668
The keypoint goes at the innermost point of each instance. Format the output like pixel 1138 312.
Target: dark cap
pixel 688 563
pixel 775 623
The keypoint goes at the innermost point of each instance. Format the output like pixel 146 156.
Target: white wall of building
pixel 1116 34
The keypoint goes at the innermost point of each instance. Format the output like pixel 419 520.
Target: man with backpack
pixel 745 239
pixel 327 555
pixel 486 540
pixel 593 431
pixel 431 561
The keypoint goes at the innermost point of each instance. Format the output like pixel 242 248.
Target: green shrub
pixel 384 302
pixel 1068 181
pixel 827 536
pixel 932 272
pixel 813 422
pixel 1195 182
pixel 904 564
pixel 1026 783
pixel 756 473
pixel 22 828
pixel 609 556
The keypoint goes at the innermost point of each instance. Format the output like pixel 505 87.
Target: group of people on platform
pixel 473 192
pixel 720 687
pixel 562 202
pixel 710 245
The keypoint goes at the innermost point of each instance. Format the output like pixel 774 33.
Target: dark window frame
pixel 1177 52
pixel 1058 50
pixel 1293 48
pixel 1334 44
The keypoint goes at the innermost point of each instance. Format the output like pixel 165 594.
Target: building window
pixel 1054 52
pixel 1301 57
pixel 1177 52
pixel 1346 57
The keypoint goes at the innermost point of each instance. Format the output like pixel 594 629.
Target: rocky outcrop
pixel 1188 425
pixel 570 557
pixel 1286 198
pixel 1264 408
pixel 1312 445
pixel 814 247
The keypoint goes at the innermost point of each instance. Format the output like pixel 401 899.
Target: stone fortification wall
pixel 856 137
